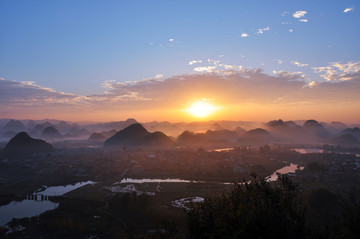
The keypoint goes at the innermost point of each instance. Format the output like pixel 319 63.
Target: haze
pixel 95 61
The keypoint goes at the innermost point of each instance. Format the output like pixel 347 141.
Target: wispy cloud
pixel 291 30
pixel 230 84
pixel 290 75
pixel 299 64
pixel 349 9
pixel 204 68
pixel 194 62
pixel 262 30
pixel 299 14
pixel 337 71
pixel 171 40
pixel 244 35
pixel 156 77
pixel 303 20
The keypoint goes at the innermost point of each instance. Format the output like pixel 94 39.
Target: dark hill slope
pixel 136 135
pixel 23 144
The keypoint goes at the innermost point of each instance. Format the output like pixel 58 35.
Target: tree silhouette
pixel 256 209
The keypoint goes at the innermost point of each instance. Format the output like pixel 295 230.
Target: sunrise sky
pixel 156 60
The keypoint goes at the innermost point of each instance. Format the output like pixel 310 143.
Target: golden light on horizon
pixel 201 109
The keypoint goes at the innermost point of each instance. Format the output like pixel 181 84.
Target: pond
pixel 36 203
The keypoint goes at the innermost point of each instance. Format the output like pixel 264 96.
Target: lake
pixel 30 208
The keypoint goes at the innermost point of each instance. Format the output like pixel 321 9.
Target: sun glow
pixel 201 109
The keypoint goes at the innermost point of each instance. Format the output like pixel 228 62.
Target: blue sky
pixel 77 47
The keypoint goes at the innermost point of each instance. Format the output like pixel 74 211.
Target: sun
pixel 201 109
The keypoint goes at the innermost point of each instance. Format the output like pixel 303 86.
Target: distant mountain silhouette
pixel 117 125
pixel 9 134
pixel 335 127
pixel 137 135
pixel 76 132
pixel 155 139
pixel 63 126
pixel 222 134
pixel 339 125
pixel 51 133
pixel 109 134
pixel 39 128
pixel 353 131
pixel 257 136
pixel 276 124
pixel 259 132
pixel 291 123
pixel 216 126
pixel 240 131
pixel 14 125
pixel 312 124
pixel 345 139
pixel 314 129
pixel 127 136
pixel 97 137
pixel 22 144
pixel 30 124
pixel 187 138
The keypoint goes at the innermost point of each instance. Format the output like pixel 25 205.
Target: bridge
pixel 37 197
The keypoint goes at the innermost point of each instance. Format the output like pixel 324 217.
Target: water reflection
pixel 36 203
pixel 60 190
pixel 309 150
pixel 25 208
pixel 285 170
pixel 149 180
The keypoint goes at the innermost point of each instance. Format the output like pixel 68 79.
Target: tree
pixel 256 209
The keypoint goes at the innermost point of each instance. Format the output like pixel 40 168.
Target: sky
pixel 150 60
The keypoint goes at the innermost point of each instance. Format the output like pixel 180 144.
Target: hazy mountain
pixel 8 134
pixel 163 126
pixel 240 131
pixel 77 132
pixel 64 126
pixel 51 133
pixel 117 125
pixel 314 129
pixel 291 123
pixel 276 124
pixel 257 136
pixel 23 144
pixel 259 132
pixel 345 139
pixel 3 122
pixel 40 127
pixel 137 135
pixel 155 139
pixel 127 136
pixel 97 137
pixel 335 127
pixel 223 134
pixel 187 138
pixel 353 131
pixel 30 124
pixel 109 134
pixel 14 125
pixel 338 125
pixel 216 126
